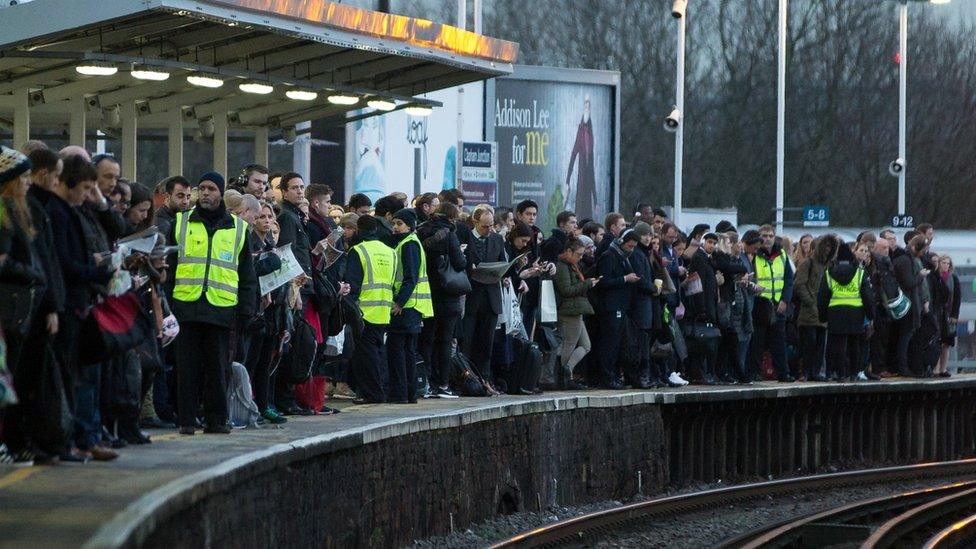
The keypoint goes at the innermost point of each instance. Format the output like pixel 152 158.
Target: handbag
pixel 899 306
pixel 547 301
pixel 17 307
pixel 700 331
pixel 455 283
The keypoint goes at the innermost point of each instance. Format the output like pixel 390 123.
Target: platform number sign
pixel 903 221
pixel 816 216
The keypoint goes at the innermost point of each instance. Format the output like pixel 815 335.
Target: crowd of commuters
pixel 261 299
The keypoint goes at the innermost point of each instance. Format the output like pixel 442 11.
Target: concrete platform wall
pixel 414 480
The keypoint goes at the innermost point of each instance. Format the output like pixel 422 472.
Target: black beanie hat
pixel 214 178
pixel 408 216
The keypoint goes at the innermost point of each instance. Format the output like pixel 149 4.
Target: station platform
pixel 133 500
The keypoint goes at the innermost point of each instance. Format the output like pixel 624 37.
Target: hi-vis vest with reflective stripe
pixel 208 263
pixel 848 295
pixel 420 299
pixel 379 268
pixel 770 277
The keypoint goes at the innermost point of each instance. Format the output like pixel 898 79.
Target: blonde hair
pixel 724 244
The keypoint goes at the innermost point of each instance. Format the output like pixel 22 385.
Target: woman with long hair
pixel 139 214
pixel 22 283
pixel 949 317
pixel 804 249
pixel 440 242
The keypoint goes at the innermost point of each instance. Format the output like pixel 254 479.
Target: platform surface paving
pixel 67 505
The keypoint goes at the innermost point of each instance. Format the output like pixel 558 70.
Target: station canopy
pixel 263 63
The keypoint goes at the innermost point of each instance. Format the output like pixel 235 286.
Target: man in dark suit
pixel 484 303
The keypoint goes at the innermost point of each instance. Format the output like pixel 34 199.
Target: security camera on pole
pixel 674 123
pixel 898 167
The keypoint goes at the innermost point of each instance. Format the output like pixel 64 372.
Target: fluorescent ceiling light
pixel 343 99
pixel 419 110
pixel 301 95
pixel 381 104
pixel 204 81
pixel 148 73
pixel 88 68
pixel 256 88
pixel 941 1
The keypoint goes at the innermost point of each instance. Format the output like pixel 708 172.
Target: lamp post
pixel 781 115
pixel 675 122
pixel 900 166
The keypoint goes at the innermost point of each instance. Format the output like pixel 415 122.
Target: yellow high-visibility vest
pixel 205 262
pixel 420 300
pixel 770 276
pixel 379 269
pixel 848 295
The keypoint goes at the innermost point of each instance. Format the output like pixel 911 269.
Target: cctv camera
pixel 673 120
pixel 678 8
pixel 206 127
pixel 896 167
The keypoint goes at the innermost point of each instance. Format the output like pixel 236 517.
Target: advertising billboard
pixel 413 155
pixel 557 135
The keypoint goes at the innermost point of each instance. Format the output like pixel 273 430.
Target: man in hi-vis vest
pixel 214 285
pixel 774 275
pixel 412 303
pixel 370 272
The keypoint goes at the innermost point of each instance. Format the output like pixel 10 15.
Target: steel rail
pixel 954 535
pixel 899 529
pixel 580 527
pixel 793 530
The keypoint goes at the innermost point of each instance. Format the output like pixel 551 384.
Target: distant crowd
pixel 210 303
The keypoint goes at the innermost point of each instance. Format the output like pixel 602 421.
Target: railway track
pixel 594 525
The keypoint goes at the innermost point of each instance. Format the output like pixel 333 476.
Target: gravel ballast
pixel 698 529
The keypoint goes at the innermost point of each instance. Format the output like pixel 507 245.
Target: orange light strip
pixel 417 32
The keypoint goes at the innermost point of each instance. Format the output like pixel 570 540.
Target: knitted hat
pixel 642 229
pixel 214 178
pixel 13 163
pixel 587 241
pixel 725 226
pixel 408 216
pixel 752 236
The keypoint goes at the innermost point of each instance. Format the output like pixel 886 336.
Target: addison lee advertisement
pixel 555 144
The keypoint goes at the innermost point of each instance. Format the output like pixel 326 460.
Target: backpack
pixel 296 361
pixel 464 380
pixel 242 411
pixel 527 367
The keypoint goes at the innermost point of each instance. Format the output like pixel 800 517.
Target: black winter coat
pixel 53 301
pixel 644 292
pixel 910 281
pixel 77 259
pixel 291 220
pixel 703 306
pixel 612 294
pixel 440 240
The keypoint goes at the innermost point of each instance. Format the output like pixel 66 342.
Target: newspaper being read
pixel 492 272
pixel 290 269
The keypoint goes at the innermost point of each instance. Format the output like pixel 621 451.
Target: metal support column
pixel 77 121
pixel 679 135
pixel 21 118
pixel 781 116
pixel 220 143
pixel 261 146
pixel 902 100
pixel 129 119
pixel 302 150
pixel 175 142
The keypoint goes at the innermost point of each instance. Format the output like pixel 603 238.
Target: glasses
pixel 768 236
